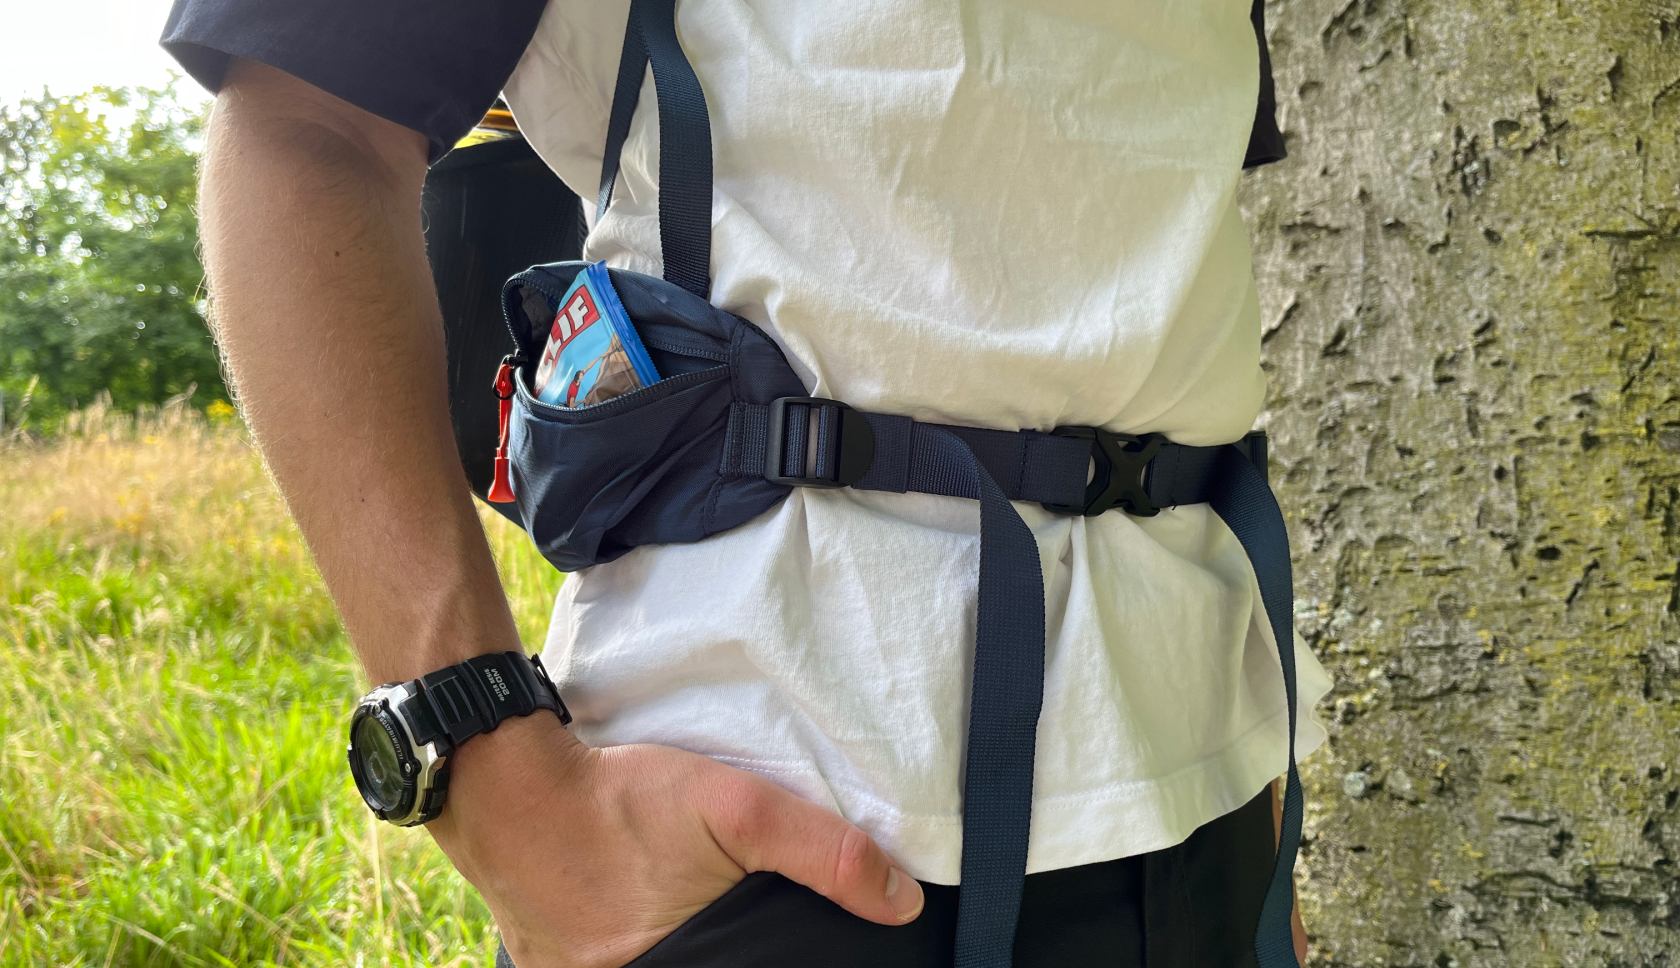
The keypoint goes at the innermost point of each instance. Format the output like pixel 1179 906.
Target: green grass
pixel 173 692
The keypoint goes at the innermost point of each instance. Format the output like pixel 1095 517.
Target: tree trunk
pixel 1469 269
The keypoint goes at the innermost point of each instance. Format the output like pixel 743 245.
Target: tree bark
pixel 1469 269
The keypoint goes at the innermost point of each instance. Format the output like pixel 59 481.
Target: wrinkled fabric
pixel 984 213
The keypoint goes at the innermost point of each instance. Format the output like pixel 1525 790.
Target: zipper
pixel 681 350
pixel 670 384
pixel 501 483
pixel 528 278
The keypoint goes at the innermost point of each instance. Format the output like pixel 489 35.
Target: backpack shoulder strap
pixel 685 141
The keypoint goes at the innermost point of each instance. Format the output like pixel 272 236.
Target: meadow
pixel 174 686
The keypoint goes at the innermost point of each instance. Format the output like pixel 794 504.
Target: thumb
pixel 765 828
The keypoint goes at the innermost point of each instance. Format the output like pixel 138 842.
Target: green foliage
pixel 174 686
pixel 99 276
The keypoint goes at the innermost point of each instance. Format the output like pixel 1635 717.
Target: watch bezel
pixel 423 765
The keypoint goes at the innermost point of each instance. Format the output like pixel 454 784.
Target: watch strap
pixel 477 695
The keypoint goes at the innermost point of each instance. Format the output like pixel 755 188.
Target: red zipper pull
pixel 501 488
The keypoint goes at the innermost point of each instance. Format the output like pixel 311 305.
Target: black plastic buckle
pixel 849 456
pixel 1121 462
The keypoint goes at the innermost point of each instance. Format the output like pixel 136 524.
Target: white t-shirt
pixel 967 211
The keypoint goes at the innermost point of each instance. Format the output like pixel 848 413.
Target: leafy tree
pixel 100 285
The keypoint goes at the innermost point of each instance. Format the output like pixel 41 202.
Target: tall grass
pixel 173 693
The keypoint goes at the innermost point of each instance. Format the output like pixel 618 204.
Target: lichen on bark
pixel 1469 269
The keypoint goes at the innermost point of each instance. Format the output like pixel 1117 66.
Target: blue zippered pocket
pixel 591 483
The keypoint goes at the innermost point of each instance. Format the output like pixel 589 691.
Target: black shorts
pixel 1193 905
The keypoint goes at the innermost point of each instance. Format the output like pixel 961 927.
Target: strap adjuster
pixel 1121 462
pixel 833 450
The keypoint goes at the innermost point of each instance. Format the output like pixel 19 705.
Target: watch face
pixel 402 780
pixel 376 765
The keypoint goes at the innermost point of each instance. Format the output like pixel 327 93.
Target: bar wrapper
pixel 593 353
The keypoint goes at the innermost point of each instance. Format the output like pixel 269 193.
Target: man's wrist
pixel 422 660
pixel 454 628
pixel 521 753
pixel 411 742
pixel 516 738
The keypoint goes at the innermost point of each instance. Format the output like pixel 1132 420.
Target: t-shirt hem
pixel 1081 827
pixel 1109 822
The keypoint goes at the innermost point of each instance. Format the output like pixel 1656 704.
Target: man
pixel 960 210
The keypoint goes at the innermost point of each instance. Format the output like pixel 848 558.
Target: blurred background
pixel 1470 276
pixel 99 284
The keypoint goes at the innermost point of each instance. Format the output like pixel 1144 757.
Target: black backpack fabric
pixel 489 210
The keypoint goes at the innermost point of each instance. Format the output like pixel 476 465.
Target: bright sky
pixel 71 45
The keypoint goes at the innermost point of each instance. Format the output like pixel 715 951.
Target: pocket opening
pixel 619 404
pixel 532 291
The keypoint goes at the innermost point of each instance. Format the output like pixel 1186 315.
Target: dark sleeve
pixel 434 66
pixel 1265 142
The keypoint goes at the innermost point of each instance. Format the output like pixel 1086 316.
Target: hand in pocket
pixel 589 857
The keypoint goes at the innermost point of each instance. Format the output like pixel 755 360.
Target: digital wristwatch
pixel 403 733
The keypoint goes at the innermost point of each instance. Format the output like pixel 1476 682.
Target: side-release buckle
pixel 835 449
pixel 1121 462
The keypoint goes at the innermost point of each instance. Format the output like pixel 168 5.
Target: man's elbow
pixel 271 134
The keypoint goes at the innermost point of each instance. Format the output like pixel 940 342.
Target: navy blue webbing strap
pixel 685 142
pixel 1243 500
pixel 1050 468
pixel 1008 691
pixel 1028 465
pixel 632 68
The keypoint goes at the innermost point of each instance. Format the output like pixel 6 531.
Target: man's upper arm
pixel 432 67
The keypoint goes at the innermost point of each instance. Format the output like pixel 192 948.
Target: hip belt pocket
pixel 647 467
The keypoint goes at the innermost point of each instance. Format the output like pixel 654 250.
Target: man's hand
pixel 588 857
pixel 326 315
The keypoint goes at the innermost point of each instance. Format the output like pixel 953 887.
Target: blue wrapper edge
pixel 621 323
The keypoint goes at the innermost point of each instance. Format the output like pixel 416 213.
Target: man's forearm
pixel 325 311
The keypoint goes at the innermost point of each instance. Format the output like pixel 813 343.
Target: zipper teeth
pixel 681 350
pixel 526 278
pixel 672 383
pixel 507 321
